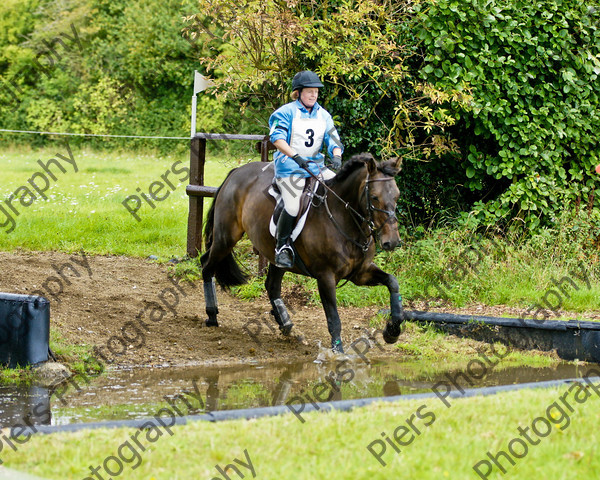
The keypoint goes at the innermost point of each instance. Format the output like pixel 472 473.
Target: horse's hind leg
pixel 273 286
pixel 219 261
pixel 210 292
pixel 210 298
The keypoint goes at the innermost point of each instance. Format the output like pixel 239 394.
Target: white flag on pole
pixel 201 83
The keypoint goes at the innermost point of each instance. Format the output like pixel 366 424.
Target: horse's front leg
pixel 327 292
pixel 373 275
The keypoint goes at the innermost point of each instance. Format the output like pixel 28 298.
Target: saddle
pixel 310 188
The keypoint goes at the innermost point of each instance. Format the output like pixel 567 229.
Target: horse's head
pixel 381 195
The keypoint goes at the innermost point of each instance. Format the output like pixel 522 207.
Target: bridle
pixel 371 208
pixel 359 219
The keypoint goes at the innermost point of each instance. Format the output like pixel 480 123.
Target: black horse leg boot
pixel 284 255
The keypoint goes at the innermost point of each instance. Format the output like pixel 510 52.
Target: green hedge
pixel 122 68
pixel 532 127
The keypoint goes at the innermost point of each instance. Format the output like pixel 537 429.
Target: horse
pixel 337 242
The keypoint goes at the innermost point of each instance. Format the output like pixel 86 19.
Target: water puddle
pixel 142 392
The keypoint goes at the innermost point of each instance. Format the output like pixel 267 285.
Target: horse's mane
pixel 354 163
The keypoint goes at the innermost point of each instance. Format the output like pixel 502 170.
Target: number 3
pixel 311 138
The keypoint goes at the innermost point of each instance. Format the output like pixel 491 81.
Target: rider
pixel 299 130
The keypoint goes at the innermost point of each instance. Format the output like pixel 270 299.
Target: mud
pixel 137 314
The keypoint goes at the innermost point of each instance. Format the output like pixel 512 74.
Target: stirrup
pixel 284 257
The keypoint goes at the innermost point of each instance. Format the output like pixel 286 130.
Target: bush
pixel 122 68
pixel 529 137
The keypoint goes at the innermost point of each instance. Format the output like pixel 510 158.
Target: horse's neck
pixel 350 190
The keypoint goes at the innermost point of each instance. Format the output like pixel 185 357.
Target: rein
pixel 358 218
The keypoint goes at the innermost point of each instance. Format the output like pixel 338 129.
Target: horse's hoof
pixel 211 322
pixel 390 338
pixel 336 346
pixel 286 329
pixel 392 332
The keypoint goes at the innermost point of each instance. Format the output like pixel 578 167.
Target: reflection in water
pixel 24 405
pixel 212 393
pixel 137 393
pixel 391 389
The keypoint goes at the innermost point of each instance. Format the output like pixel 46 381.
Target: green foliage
pixel 251 48
pixel 361 50
pixel 126 70
pixel 80 359
pixel 494 105
pixel 251 290
pixel 366 53
pixel 85 208
pixel 16 376
pixel 528 138
pixel 15 21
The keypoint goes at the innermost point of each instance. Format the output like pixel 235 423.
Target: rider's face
pixel 308 96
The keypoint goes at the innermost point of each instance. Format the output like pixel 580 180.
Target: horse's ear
pixel 371 164
pixel 392 166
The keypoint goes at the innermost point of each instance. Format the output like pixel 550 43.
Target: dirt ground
pixel 135 313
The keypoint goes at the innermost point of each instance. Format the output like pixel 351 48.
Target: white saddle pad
pixel 301 222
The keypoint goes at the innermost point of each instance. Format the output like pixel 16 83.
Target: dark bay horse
pixel 336 243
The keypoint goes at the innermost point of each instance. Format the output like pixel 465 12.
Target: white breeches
pixel 291 189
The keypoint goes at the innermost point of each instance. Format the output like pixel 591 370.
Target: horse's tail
pixel 209 225
pixel 227 271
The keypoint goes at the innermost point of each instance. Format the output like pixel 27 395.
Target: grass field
pixel 84 210
pixel 450 441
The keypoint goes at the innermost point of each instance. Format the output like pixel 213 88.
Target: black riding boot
pixel 284 255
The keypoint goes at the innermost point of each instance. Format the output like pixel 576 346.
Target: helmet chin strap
pixel 306 106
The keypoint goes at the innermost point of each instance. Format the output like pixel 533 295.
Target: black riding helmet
pixel 306 79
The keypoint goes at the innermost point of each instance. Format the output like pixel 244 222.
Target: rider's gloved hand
pixel 336 162
pixel 301 161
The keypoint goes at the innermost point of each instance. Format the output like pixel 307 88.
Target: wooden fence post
pixel 263 147
pixel 195 217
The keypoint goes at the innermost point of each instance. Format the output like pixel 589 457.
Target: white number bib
pixel 307 134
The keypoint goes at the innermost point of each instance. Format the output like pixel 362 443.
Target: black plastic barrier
pixel 24 329
pixel 572 339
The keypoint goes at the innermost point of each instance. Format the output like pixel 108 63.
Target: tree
pixel 361 50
